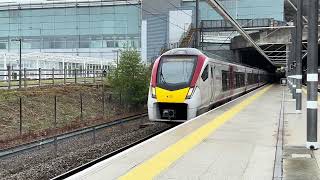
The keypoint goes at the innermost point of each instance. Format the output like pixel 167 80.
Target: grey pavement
pixel 298 161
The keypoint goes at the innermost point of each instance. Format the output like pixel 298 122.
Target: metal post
pixel 52 76
pixel 299 56
pixel 9 77
pixel 55 125
pixel 75 76
pixel 81 107
pixel 20 64
pixel 94 75
pixel 39 76
pixel 20 116
pixel 197 24
pixel 25 77
pixel 85 75
pixel 312 76
pixel 293 60
pixel 55 111
pixel 64 76
pixel 103 101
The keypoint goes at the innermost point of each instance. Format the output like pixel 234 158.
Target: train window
pixel 239 79
pixel 175 72
pixel 242 83
pixel 225 80
pixel 250 78
pixel 205 73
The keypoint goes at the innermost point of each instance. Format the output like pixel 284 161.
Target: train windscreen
pixel 175 72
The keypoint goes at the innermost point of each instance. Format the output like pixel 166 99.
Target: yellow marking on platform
pixel 161 161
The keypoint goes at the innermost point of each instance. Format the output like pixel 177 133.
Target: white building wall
pixel 144 44
pixel 179 22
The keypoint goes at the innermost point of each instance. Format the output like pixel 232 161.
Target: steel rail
pixel 106 156
pixel 52 139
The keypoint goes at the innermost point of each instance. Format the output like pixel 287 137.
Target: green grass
pixel 38 108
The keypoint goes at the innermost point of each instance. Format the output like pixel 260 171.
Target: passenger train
pixel 186 82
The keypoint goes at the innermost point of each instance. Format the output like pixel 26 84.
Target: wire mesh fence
pixel 41 114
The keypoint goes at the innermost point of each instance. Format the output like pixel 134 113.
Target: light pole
pixel 312 76
pixel 20 64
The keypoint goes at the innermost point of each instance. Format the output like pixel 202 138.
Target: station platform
pixel 257 136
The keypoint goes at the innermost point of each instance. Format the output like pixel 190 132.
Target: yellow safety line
pixel 161 161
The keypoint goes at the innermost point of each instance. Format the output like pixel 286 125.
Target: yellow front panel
pixel 166 96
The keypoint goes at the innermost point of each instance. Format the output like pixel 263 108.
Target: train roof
pixel 196 52
pixel 183 51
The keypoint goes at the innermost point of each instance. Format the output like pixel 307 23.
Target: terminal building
pixel 86 28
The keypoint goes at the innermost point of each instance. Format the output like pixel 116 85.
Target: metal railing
pixel 9 78
pixel 245 23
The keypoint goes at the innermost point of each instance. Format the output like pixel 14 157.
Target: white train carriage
pixel 186 82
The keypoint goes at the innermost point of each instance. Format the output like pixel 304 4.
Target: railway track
pixel 54 139
pixel 106 156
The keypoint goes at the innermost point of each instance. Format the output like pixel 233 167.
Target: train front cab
pixel 172 94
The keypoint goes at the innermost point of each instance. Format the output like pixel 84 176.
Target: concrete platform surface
pixel 298 161
pixel 242 148
pixel 257 136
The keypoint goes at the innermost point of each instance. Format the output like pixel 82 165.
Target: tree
pixel 130 78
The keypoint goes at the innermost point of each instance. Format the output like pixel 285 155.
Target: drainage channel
pixel 277 168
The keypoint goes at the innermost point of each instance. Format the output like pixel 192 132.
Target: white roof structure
pixel 37 56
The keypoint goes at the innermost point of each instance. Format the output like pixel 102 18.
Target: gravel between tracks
pixel 46 162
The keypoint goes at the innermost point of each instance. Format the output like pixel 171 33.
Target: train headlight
pixel 153 92
pixel 190 92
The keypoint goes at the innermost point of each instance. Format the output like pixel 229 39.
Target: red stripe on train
pixel 154 72
pixel 200 62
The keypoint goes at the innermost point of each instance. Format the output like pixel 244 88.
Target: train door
pixel 205 86
pixel 231 79
pixel 213 77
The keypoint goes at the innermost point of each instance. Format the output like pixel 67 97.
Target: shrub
pixel 130 78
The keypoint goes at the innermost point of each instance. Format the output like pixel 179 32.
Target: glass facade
pixel 242 9
pixel 76 30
